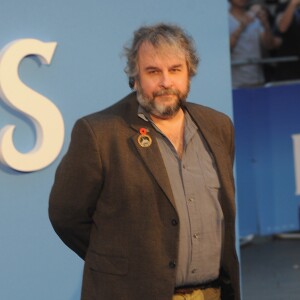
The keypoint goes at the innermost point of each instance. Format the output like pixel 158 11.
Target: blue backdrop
pixel 85 75
pixel 265 120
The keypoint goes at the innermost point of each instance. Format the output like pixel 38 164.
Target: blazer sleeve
pixel 76 188
pixel 231 142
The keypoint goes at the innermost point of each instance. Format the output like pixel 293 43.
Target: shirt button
pixel 172 264
pixel 191 199
pixel 174 222
pixel 196 235
pixel 194 271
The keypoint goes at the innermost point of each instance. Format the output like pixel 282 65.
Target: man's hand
pixel 258 11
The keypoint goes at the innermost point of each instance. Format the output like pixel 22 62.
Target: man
pixel 287 27
pixel 145 193
pixel 250 33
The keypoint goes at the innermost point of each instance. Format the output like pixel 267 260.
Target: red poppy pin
pixel 144 139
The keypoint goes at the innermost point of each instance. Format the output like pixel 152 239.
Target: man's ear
pixel 132 83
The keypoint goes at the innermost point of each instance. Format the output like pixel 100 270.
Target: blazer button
pixel 174 222
pixel 172 264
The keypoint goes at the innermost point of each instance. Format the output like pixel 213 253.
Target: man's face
pixel 163 80
pixel 240 3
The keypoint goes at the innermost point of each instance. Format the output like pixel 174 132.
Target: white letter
pixel 41 111
pixel 296 147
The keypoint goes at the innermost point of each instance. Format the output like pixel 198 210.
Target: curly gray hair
pixel 159 35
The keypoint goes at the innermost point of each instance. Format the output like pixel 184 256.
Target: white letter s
pixel 45 116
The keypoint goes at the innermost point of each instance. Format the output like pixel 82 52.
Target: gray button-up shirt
pixel 195 186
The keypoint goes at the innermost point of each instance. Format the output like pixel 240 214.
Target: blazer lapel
pixel 151 155
pixel 153 160
pixel 217 149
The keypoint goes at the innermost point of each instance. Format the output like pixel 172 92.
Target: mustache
pixel 166 92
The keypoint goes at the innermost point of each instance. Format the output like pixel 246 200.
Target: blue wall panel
pixel 265 120
pixel 86 74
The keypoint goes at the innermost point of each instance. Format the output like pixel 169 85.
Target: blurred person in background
pixel 287 27
pixel 250 35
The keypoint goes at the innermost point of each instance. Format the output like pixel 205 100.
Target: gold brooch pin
pixel 144 139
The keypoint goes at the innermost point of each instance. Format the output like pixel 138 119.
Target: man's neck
pixel 173 129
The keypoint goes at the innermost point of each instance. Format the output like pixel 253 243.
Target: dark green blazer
pixel 112 204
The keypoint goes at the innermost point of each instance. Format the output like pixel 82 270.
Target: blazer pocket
pixel 107 263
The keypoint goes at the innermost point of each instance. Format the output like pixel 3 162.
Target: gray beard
pixel 160 110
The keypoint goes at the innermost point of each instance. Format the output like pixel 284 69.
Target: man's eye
pixel 153 71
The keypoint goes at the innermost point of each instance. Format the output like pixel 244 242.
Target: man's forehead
pixel 161 50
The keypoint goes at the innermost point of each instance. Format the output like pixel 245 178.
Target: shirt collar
pixel 143 114
pixel 190 128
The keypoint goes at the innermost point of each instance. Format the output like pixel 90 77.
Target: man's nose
pixel 166 80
